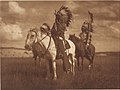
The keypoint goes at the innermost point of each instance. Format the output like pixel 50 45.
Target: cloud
pixel 106 10
pixel 34 10
pixel 101 10
pixel 105 29
pixel 106 24
pixel 15 8
pixel 10 31
pixel 0 19
pixel 115 27
pixel 72 5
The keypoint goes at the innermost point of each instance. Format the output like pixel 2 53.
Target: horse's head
pixel 72 37
pixel 31 39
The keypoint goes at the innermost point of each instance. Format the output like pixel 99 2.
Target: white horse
pixel 44 47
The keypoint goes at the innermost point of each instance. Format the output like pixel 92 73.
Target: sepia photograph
pixel 67 44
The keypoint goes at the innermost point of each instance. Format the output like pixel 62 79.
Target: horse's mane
pixel 34 30
pixel 77 39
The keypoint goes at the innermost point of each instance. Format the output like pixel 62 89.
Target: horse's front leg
pixel 35 61
pixel 39 61
pixel 48 65
pixel 78 62
pixel 82 59
pixel 35 57
pixel 90 62
pixel 73 66
pixel 90 58
pixel 54 71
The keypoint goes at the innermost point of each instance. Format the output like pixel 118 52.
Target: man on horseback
pixel 87 30
pixel 45 29
pixel 62 20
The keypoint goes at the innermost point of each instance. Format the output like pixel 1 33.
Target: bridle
pixel 38 41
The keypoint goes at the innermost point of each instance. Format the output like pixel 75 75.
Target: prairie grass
pixel 21 74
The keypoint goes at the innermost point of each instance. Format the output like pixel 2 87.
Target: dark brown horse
pixel 81 51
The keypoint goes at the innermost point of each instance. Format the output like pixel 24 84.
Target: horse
pixel 81 51
pixel 34 47
pixel 43 46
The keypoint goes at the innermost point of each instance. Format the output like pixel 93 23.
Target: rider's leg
pixel 66 64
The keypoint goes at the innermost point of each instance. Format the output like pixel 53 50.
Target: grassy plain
pixel 20 73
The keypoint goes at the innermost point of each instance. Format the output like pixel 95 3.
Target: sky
pixel 16 19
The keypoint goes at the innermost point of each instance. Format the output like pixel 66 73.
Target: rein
pixel 48 46
pixel 42 38
pixel 44 46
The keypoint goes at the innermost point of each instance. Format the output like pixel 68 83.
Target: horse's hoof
pixel 73 74
pixel 39 65
pixel 89 67
pixel 68 71
pixel 79 69
pixel 82 70
pixel 46 78
pixel 54 78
